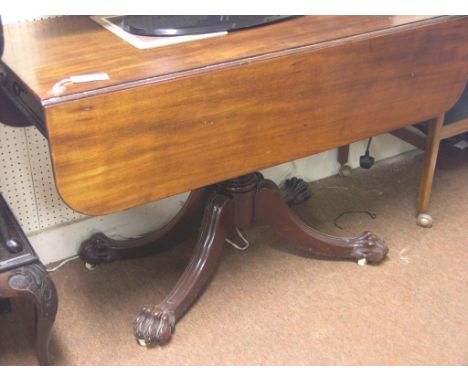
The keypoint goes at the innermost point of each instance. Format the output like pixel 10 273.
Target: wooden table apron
pixel 118 149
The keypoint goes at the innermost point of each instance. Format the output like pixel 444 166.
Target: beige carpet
pixel 273 304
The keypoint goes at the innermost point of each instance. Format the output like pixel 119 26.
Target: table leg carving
pixel 33 281
pixel 155 323
pixel 295 191
pixel 230 205
pixel 271 209
pixel 102 249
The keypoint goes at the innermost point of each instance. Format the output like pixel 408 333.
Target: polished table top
pixel 46 51
pixel 181 117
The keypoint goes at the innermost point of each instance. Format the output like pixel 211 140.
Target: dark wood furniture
pixel 206 116
pixel 22 274
pixel 448 125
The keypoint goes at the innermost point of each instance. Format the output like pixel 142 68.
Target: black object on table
pixel 180 25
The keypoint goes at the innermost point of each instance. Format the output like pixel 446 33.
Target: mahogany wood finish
pixel 99 248
pixel 273 95
pixel 102 249
pixel 239 203
pixel 33 282
pixel 155 323
pixel 190 116
pixel 43 52
pixel 269 208
pixel 295 191
pixel 21 274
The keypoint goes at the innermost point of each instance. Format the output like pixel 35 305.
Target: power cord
pixel 62 264
pixel 366 161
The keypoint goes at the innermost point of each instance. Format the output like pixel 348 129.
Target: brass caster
pixel 345 170
pixel 90 267
pixel 362 262
pixel 424 220
pixel 142 342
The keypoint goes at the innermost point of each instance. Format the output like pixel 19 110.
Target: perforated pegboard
pixel 19 17
pixel 26 180
pixel 16 182
pixel 51 210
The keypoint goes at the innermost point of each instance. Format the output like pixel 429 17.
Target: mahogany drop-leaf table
pixel 208 115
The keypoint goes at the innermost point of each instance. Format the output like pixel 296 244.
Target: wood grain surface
pixel 43 52
pixel 138 141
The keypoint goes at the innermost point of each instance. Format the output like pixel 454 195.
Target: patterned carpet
pixel 275 305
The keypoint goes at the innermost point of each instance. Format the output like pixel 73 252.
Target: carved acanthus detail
pixel 154 325
pixel 34 279
pixel 295 191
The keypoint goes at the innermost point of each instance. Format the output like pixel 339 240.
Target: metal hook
pixel 246 243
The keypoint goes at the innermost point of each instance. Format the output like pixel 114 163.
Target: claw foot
pixel 295 191
pixel 153 326
pixel 369 247
pixel 97 249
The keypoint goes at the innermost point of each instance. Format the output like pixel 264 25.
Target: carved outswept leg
pixel 295 191
pixel 102 249
pixel 271 209
pixel 34 282
pixel 155 323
